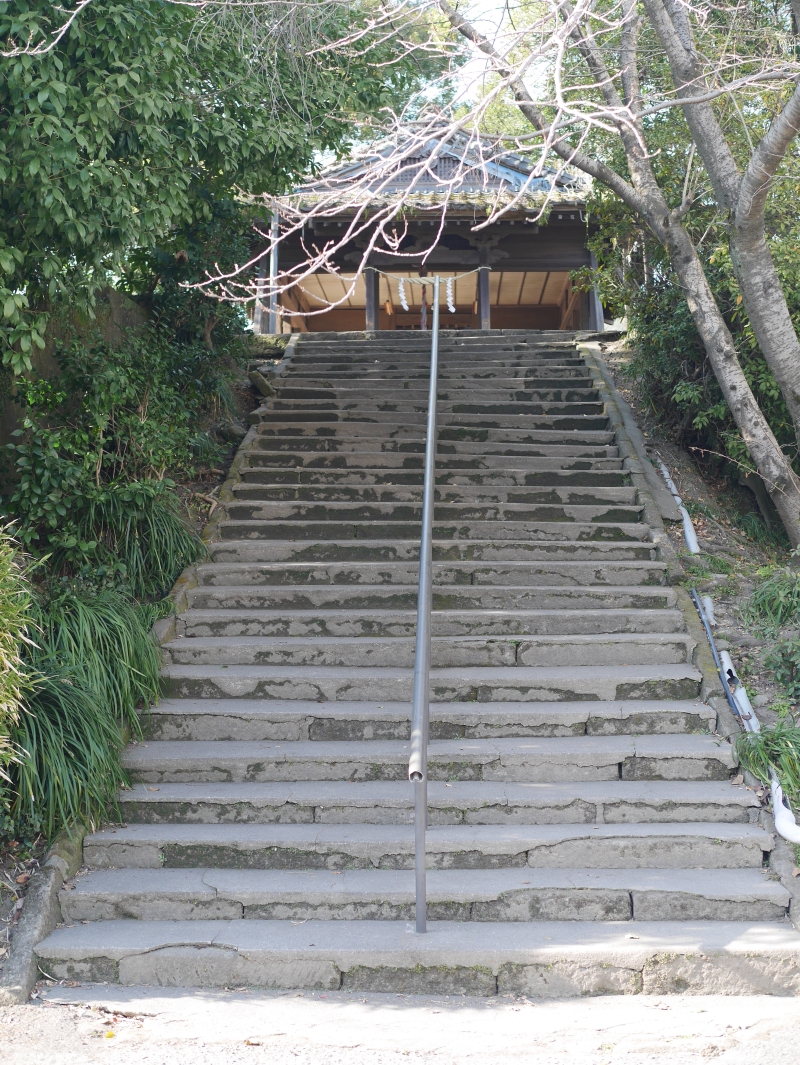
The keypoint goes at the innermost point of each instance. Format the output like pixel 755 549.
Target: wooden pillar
pixel 372 281
pixel 484 308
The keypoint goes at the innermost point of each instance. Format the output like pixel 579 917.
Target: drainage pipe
pixel 689 534
pixel 785 823
pixel 739 702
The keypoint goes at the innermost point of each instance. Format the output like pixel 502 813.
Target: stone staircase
pixel 584 838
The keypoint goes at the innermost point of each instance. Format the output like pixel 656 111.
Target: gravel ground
pixel 70 1026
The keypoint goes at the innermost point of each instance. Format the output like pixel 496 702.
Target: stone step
pixel 530 758
pixel 364 394
pixel 355 477
pixel 383 802
pixel 446 450
pixel 465 684
pixel 276 719
pixel 447 651
pixel 466 495
pixel 655 846
pixel 352 429
pixel 477 466
pixel 396 512
pixel 342 382
pixel 363 621
pixel 453 895
pixel 582 575
pixel 360 529
pixel 599 552
pixel 229 719
pixel 550 959
pixel 489 417
pixel 557 605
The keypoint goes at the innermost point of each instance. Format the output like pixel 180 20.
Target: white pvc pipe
pixel 689 535
pixel 785 823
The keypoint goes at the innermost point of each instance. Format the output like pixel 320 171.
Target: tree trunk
pixel 765 303
pixel 772 465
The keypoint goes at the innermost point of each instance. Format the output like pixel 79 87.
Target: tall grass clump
pixel 775 748
pixel 69 767
pixel 101 638
pixel 14 620
pixel 89 665
pixel 138 535
pixel 776 600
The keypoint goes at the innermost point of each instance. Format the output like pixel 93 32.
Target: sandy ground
pixel 150 1026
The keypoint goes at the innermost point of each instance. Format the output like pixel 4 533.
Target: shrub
pixel 784 661
pixel 89 484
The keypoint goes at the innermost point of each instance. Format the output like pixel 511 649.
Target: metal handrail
pixel 418 760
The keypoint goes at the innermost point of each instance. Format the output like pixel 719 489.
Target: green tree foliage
pixel 90 486
pixel 125 129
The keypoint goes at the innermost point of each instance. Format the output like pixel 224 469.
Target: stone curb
pixel 635 462
pixel 658 504
pixel 278 371
pixel 40 915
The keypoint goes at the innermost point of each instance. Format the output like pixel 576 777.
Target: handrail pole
pixel 418 760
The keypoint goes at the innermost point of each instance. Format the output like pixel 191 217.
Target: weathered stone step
pixel 453 895
pixel 657 846
pixel 544 391
pixel 447 651
pixel 550 602
pixel 457 494
pixel 478 511
pixel 468 529
pixel 500 684
pixel 477 466
pixel 445 449
pixel 344 429
pixel 346 383
pixel 276 719
pixel 583 575
pixel 355 477
pixel 599 552
pixel 537 958
pixel 489 417
pixel 363 620
pixel 382 802
pixel 530 758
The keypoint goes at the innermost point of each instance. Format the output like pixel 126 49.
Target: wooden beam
pixel 544 286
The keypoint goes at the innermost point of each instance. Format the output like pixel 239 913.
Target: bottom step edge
pixel 551 959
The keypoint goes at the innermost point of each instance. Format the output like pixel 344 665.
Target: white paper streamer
pixel 402 294
pixel 449 296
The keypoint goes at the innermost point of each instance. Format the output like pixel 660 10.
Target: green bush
pixel 88 482
pixel 784 660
